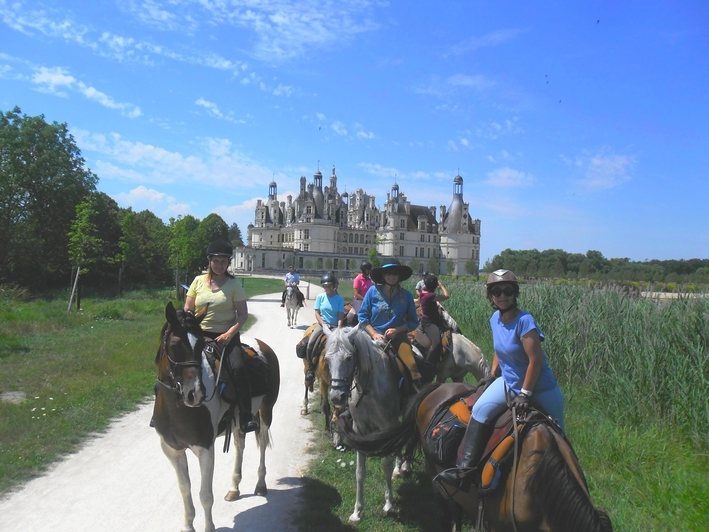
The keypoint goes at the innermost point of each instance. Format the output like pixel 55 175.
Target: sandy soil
pixel 121 480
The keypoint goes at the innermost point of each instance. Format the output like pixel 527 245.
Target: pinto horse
pixel 543 490
pixel 188 412
pixel 292 306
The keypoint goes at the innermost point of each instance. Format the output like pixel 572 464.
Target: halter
pixel 349 382
pixel 175 366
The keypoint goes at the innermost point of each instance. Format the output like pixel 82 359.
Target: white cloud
pixel 52 79
pixel 604 170
pixel 213 110
pixel 215 162
pixel 494 38
pixel 379 170
pixel 497 129
pixel 365 135
pixel 507 177
pixel 339 128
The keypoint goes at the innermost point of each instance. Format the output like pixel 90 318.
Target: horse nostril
pixel 190 398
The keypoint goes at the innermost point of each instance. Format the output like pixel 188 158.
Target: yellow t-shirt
pixel 221 315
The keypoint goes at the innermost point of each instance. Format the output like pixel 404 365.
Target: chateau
pixel 322 230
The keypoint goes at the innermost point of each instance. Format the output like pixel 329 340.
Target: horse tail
pixel 564 501
pixel 392 439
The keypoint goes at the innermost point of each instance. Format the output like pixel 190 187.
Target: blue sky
pixel 575 125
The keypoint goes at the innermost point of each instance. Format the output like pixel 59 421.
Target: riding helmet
pixel 365 267
pixel 502 276
pixel 220 247
pixel 328 278
pixel 430 282
pixel 391 264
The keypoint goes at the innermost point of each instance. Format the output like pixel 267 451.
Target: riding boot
pixel 310 372
pixel 247 423
pixel 471 451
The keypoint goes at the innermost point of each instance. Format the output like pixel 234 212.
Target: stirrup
pixel 247 423
pixel 463 481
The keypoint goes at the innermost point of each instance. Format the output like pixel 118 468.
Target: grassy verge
pixel 76 371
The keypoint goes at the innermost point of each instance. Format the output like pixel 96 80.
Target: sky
pixel 575 125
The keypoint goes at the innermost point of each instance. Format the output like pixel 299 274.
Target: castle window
pixel 350 240
pixel 423 238
pixel 429 253
pixel 309 209
pixel 401 251
pixel 356 239
pixel 421 252
pixel 306 247
pixel 306 234
pixel 429 238
pixel 417 252
pixel 401 236
pixel 402 223
pixel 350 250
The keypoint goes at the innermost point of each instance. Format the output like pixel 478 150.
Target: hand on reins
pixel 520 403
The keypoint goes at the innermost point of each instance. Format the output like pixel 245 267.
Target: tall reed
pixel 644 359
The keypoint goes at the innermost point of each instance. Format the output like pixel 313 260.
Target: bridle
pixel 176 367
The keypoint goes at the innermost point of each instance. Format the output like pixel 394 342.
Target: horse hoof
pixel 391 512
pixel 232 495
pixel 304 412
pixel 261 491
pixel 355 518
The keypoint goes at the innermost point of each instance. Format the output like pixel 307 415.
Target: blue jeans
pixel 492 403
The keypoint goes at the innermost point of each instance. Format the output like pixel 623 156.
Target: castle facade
pixel 323 230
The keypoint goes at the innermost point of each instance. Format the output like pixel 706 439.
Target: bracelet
pixel 526 393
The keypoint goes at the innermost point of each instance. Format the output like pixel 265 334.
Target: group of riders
pixel 388 313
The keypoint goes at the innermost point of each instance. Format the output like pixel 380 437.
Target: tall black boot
pixel 471 451
pixel 247 423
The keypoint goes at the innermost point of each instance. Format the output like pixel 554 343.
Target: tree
pixel 235 236
pixel 450 267
pixel 185 249
pixel 84 244
pixel 373 257
pixel 432 265
pixel 42 180
pixel 470 268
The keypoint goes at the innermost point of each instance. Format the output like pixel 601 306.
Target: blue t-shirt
pixel 511 355
pixel 383 314
pixel 292 278
pixel 329 307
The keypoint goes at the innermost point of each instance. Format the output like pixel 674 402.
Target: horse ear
pixel 170 313
pixel 202 313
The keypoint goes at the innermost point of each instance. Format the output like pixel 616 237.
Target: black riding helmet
pixel 220 247
pixel 430 282
pixel 365 267
pixel 328 278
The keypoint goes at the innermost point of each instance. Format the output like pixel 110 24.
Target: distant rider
pixel 292 279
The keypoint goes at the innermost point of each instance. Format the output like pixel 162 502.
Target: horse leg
pixel 450 513
pixel 262 440
pixel 178 459
pixel 304 411
pixel 388 468
pixel 402 468
pixel 361 475
pixel 206 496
pixel 239 441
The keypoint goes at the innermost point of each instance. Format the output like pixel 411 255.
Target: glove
pixel 520 403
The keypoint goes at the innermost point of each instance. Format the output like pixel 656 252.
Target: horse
pixel 189 413
pixel 322 374
pixel 366 380
pixel 292 306
pixel 544 489
pixel 459 358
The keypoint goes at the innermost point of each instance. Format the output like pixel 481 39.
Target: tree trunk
pixel 73 288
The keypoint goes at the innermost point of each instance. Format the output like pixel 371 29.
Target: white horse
pixel 292 306
pixel 365 379
pixel 458 359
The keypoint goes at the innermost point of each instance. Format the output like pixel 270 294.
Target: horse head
pixel 179 358
pixel 341 358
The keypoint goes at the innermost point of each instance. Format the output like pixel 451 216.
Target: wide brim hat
pixel 388 265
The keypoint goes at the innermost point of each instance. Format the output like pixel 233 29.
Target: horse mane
pixel 566 504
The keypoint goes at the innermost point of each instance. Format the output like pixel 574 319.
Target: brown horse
pixel 322 374
pixel 544 490
pixel 188 411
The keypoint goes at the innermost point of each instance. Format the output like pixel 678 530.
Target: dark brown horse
pixel 188 411
pixel 544 490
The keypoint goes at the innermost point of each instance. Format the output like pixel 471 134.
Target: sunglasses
pixel 508 291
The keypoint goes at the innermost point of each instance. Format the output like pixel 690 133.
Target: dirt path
pixel 121 480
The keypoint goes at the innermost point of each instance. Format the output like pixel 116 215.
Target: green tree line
pixel 54 222
pixel 557 263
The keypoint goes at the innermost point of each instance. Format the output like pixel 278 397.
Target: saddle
pixel 257 368
pixel 444 435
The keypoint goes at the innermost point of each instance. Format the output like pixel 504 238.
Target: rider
pixel 226 314
pixel 329 310
pixel 360 285
pixel 388 312
pixel 526 376
pixel 431 321
pixel 420 285
pixel 292 279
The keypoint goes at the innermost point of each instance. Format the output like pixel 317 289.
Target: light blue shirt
pixel 292 278
pixel 383 314
pixel 329 308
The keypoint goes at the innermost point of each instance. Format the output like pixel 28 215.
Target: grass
pixel 77 371
pixel 635 377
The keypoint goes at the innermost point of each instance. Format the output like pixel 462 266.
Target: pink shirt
pixel 361 284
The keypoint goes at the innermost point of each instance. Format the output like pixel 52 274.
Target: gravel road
pixel 121 480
